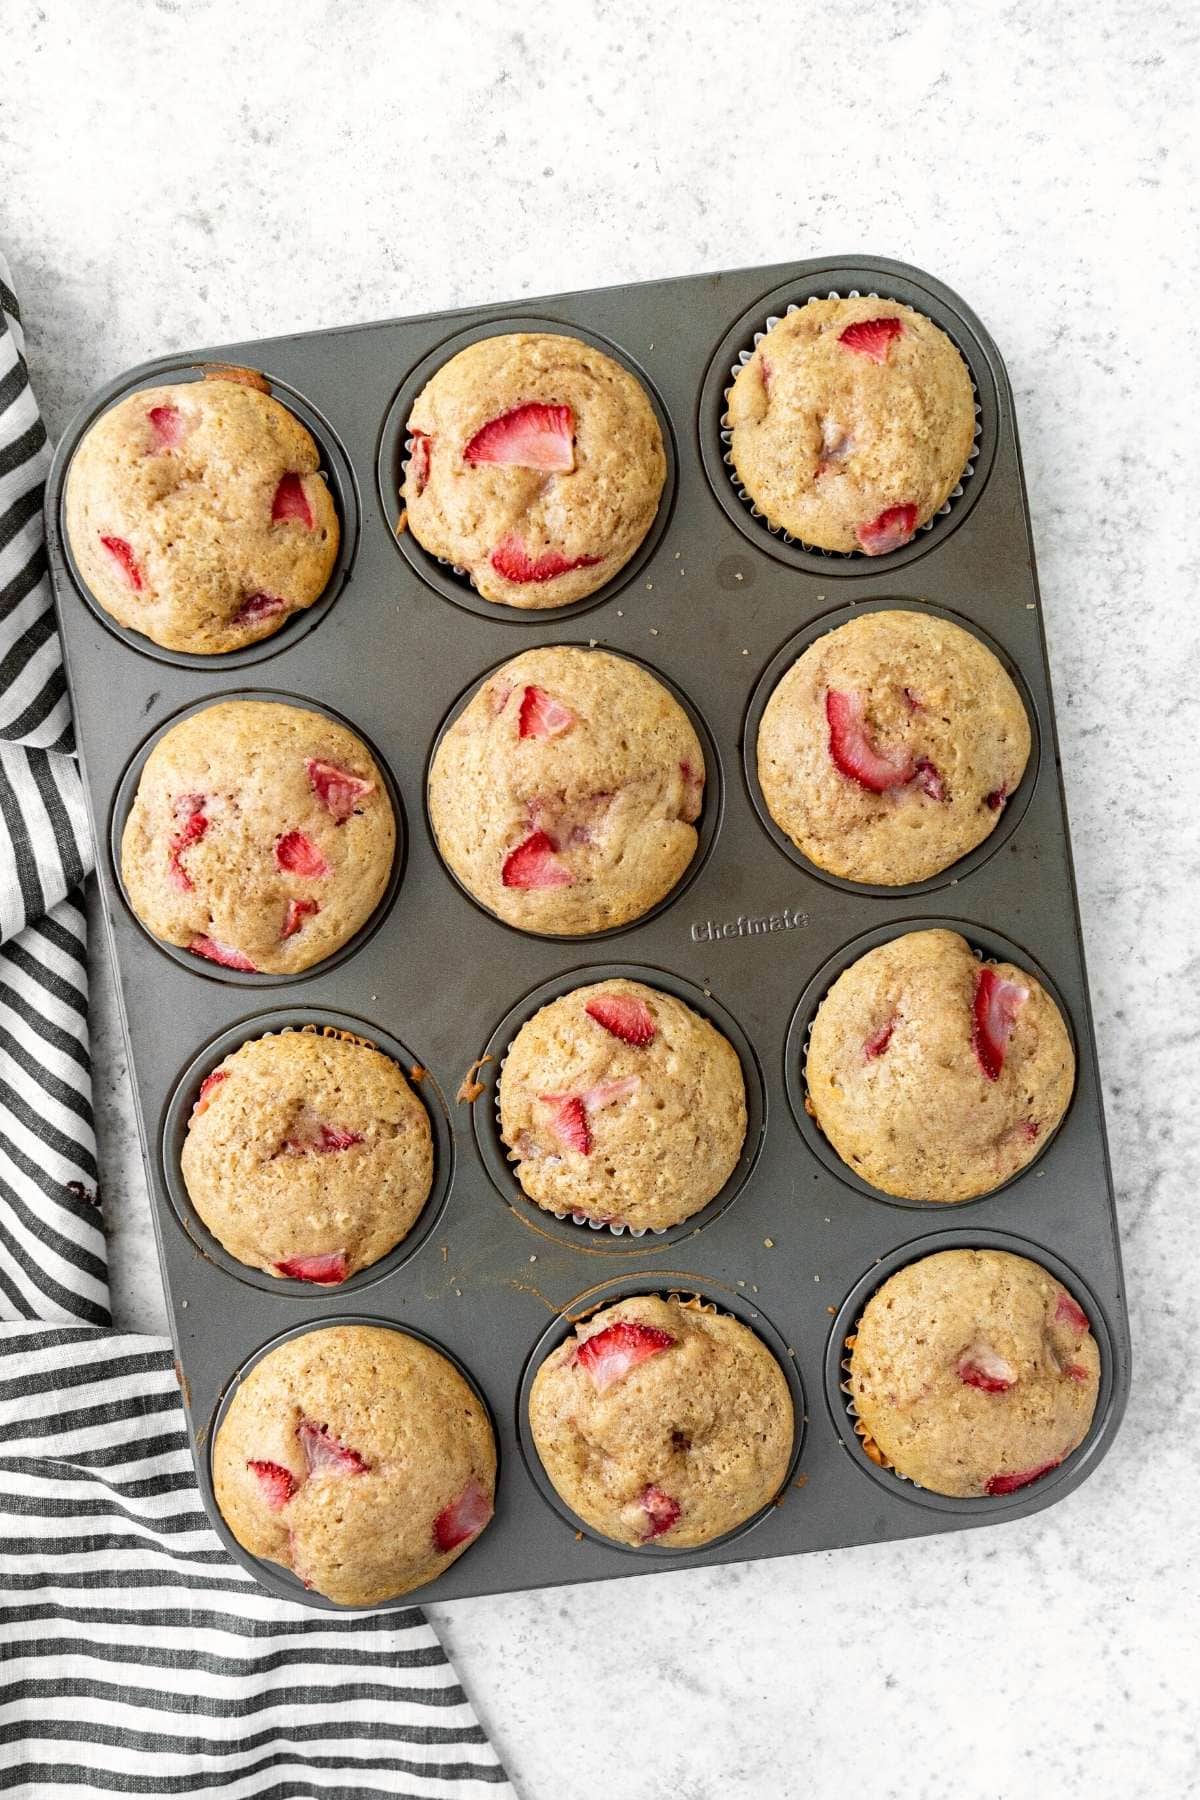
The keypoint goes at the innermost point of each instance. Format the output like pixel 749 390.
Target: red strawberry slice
pixel 323 1451
pixel 571 1123
pixel 1069 1312
pixel 229 958
pixel 291 502
pixel 1008 1484
pixel 339 791
pixel 203 1102
pixel 1075 1372
pixel 258 606
pixel 997 1003
pixel 1029 1129
pixel 122 555
pixel 418 460
pixel 661 1512
pixel 277 1484
pixel 535 864
pixel 323 1271
pixel 929 779
pixel 192 830
pixel 463 1519
pixel 997 799
pixel 693 797
pixel 297 912
pixel 611 1353
pixel 891 529
pixel 981 1367
pixel 166 422
pixel 314 1135
pixel 852 750
pixel 627 1017
pixel 879 1040
pixel 764 369
pixel 300 856
pixel 872 337
pixel 534 436
pixel 511 559
pixel 542 716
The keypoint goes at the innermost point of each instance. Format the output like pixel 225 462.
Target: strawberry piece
pixel 693 784
pixel 206 1087
pixel 764 369
pixel 627 1017
pixel 1029 1129
pixel 323 1451
pixel 611 1353
pixel 122 555
pixel 1075 1372
pixel 418 460
pixel 997 1003
pixel 323 1271
pixel 837 443
pixel 1069 1312
pixel 333 1139
pixel 997 799
pixel 291 502
pixel 535 864
pixel 534 436
pixel 300 856
pixel 339 791
pixel 498 697
pixel 511 559
pixel 661 1512
pixel 166 422
pixel 258 606
pixel 192 830
pixel 605 1092
pixel 571 1123
pixel 878 1041
pixel 276 1483
pixel 463 1519
pixel 872 337
pixel 981 1367
pixel 229 958
pixel 929 780
pixel 1008 1484
pixel 311 1134
pixel 542 716
pixel 297 912
pixel 892 528
pixel 852 750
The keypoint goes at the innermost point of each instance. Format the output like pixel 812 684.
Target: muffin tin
pixel 712 602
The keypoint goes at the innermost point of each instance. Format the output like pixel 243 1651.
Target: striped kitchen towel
pixel 135 1657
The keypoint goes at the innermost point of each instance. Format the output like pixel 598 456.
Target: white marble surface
pixel 181 173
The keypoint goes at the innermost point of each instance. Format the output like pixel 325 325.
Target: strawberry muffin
pixel 663 1421
pixel 198 516
pixel 620 1104
pixel 973 1372
pixel 851 423
pixel 536 464
pixel 308 1155
pixel 261 836
pixel 890 747
pixel 936 1076
pixel 358 1458
pixel 566 793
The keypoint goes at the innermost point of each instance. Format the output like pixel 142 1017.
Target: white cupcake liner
pixel 857 1427
pixel 777 531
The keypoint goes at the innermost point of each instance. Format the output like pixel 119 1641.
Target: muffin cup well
pixel 773 674
pixel 454 583
pixel 706 826
pixel 986 944
pixel 736 349
pixel 173 1135
pixel 845 1418
pixel 667 1284
pixel 334 466
pixel 272 1575
pixel 576 1230
pixel 122 806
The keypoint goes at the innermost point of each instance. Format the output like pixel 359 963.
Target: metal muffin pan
pixel 710 603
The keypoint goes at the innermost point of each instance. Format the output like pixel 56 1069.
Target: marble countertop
pixel 178 175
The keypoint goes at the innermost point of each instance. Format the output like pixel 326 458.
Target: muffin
pixel 936 1076
pixel 308 1155
pixel 536 464
pixel 890 747
pixel 973 1372
pixel 197 515
pixel 261 836
pixel 564 796
pixel 358 1458
pixel 663 1421
pixel 620 1104
pixel 851 423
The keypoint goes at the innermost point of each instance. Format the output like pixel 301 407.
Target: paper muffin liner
pixel 745 497
pixel 869 1446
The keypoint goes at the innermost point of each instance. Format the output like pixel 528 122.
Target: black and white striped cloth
pixel 135 1657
